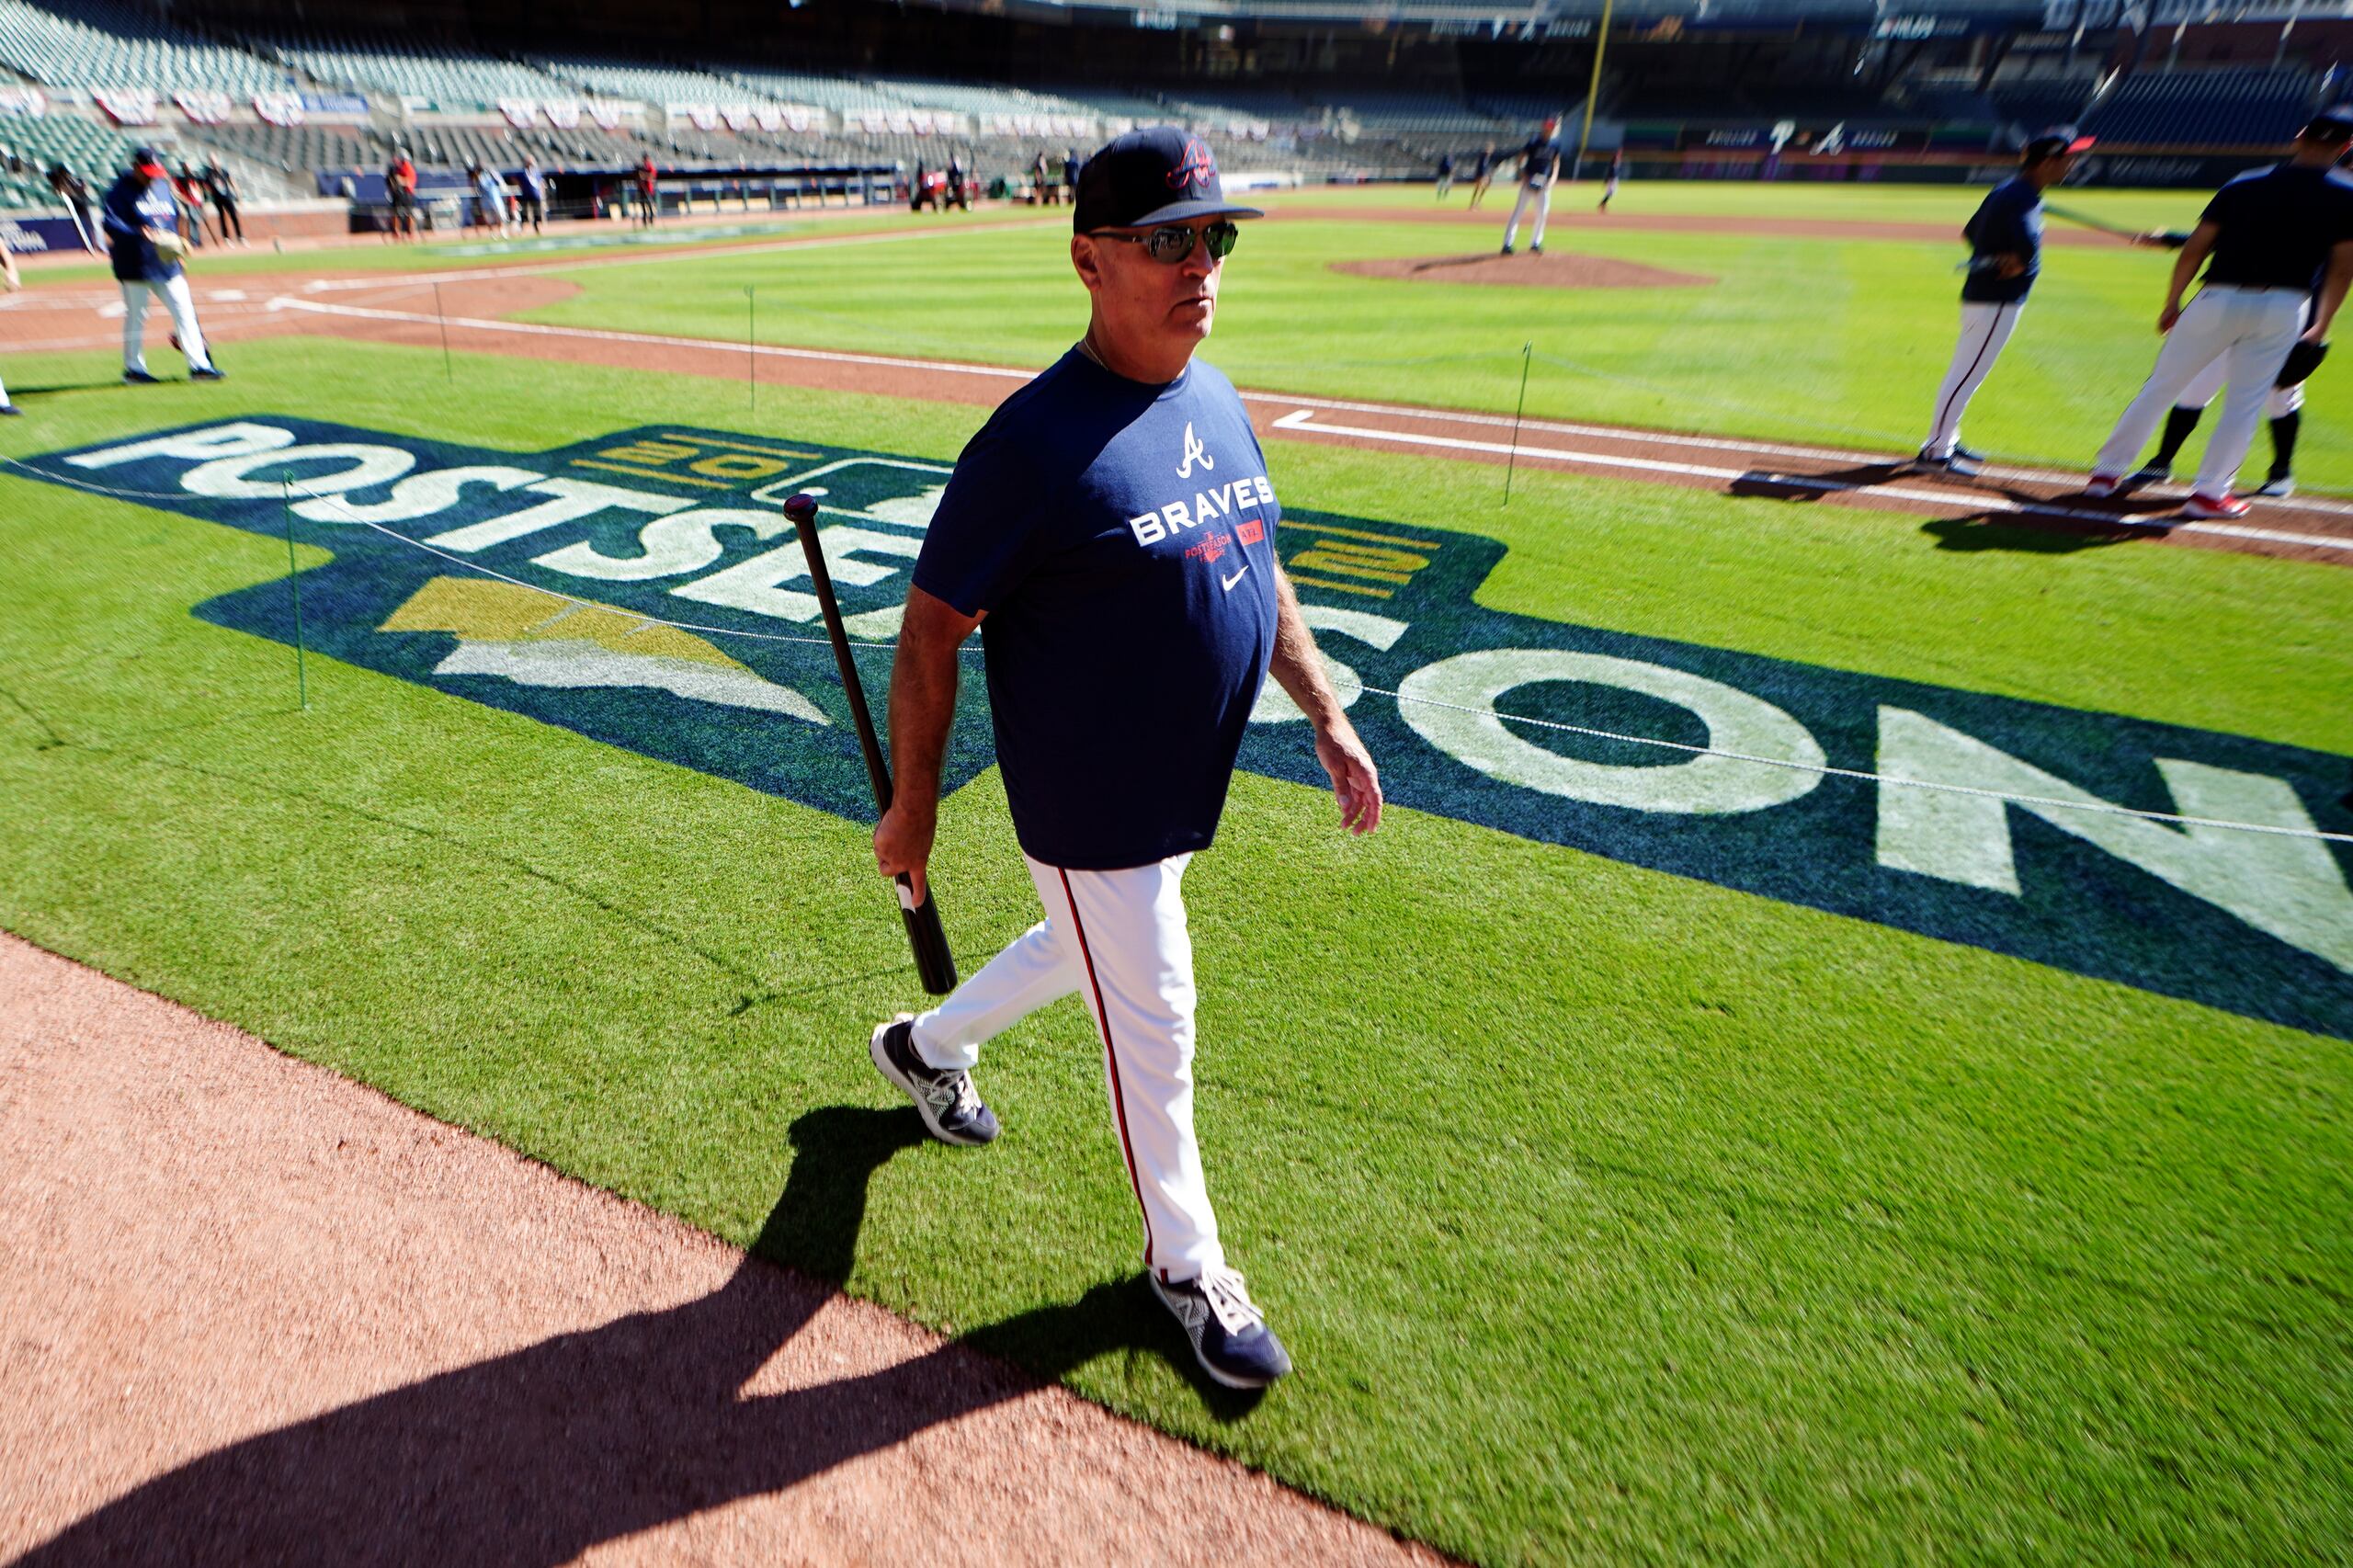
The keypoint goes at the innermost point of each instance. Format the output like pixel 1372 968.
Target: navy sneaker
pixel 1229 1336
pixel 943 1097
pixel 1964 453
pixel 9 410
pixel 2152 472
pixel 210 373
pixel 142 379
pixel 1507 250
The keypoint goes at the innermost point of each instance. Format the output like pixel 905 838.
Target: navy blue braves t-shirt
pixel 133 205
pixel 2275 226
pixel 2007 222
pixel 1121 540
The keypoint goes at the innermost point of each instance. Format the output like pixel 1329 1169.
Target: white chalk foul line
pixel 1303 419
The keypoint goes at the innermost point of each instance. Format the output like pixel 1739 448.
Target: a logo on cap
pixel 1197 168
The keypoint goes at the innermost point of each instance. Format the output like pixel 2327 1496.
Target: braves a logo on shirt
pixel 1197 168
pixel 1195 452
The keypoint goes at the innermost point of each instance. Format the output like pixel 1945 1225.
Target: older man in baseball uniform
pixel 143 232
pixel 2267 241
pixel 1111 533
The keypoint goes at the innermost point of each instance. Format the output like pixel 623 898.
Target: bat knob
pixel 801 508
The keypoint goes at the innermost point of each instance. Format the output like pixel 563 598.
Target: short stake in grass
pixel 447 373
pixel 1527 352
pixel 294 588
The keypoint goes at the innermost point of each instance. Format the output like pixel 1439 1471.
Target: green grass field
pixel 1828 341
pixel 1612 1214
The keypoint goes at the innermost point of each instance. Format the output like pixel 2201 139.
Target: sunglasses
pixel 1171 243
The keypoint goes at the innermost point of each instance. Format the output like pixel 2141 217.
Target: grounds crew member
pixel 142 224
pixel 2268 240
pixel 1111 532
pixel 2004 237
pixel 1540 162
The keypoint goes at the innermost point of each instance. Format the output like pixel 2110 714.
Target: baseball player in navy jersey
pixel 2283 406
pixel 2004 237
pixel 1540 162
pixel 144 233
pixel 2268 240
pixel 1110 531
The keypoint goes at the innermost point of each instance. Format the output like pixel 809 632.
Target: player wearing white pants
pixel 142 221
pixel 1119 939
pixel 2004 237
pixel 1984 332
pixel 2264 240
pixel 1539 164
pixel 1111 534
pixel 179 304
pixel 2249 333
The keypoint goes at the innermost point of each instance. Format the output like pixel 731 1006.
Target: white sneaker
pixel 2279 489
pixel 2100 486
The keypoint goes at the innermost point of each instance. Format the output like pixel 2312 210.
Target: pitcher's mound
pixel 1557 270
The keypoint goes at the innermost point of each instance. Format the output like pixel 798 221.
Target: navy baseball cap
pixel 147 161
pixel 1157 176
pixel 2055 142
pixel 2333 124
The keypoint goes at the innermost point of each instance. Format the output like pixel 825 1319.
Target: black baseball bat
pixel 933 962
pixel 2085 221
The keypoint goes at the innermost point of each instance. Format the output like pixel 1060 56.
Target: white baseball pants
pixel 2278 404
pixel 1985 331
pixel 2251 331
pixel 1542 195
pixel 182 306
pixel 1119 939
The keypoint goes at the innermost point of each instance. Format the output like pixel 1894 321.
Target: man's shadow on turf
pixel 536 1456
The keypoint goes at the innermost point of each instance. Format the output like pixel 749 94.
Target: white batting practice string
pixel 1822 770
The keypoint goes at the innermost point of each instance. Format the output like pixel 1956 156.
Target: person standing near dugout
pixel 648 188
pixel 2268 240
pixel 1540 162
pixel 222 186
pixel 399 191
pixel 2004 237
pixel 142 224
pixel 532 203
pixel 1110 532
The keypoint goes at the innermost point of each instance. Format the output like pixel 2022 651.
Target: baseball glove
pixel 170 247
pixel 2302 360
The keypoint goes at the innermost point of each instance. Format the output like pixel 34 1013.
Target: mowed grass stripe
pixel 1611 1214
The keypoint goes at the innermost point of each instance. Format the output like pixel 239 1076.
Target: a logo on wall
pixel 685 630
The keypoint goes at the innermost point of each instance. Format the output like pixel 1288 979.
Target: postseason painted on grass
pixel 553 585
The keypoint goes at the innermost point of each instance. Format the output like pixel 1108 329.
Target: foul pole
pixel 1592 91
